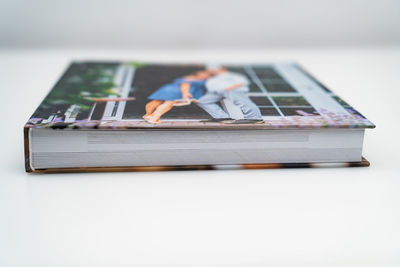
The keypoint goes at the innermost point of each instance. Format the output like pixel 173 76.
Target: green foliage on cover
pixel 290 101
pixel 83 81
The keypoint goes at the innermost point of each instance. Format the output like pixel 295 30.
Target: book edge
pixel 317 81
pixel 362 163
pixel 27 150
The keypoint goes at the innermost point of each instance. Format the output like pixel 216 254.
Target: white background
pixel 177 24
pixel 278 217
pixel 206 218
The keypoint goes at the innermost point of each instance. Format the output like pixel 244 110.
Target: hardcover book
pixel 109 116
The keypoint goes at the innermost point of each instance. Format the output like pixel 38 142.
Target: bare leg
pixel 151 107
pixel 160 110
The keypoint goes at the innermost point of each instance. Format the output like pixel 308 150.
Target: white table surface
pixel 284 217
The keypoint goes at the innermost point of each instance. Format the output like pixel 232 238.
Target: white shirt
pixel 222 81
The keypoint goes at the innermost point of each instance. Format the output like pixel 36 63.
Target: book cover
pixel 139 95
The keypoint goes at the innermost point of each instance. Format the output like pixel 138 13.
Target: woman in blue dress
pixel 190 87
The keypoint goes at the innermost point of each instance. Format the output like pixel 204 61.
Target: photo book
pixel 127 116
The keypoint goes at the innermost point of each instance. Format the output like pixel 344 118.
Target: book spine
pixel 26 150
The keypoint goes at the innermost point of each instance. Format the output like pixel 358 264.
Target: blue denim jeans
pixel 209 101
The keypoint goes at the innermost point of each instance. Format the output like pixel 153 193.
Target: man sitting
pixel 233 86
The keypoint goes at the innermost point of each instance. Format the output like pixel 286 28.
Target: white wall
pixel 198 24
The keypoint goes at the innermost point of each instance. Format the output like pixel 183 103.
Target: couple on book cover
pixel 206 88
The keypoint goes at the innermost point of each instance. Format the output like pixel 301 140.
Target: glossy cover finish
pixel 131 95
